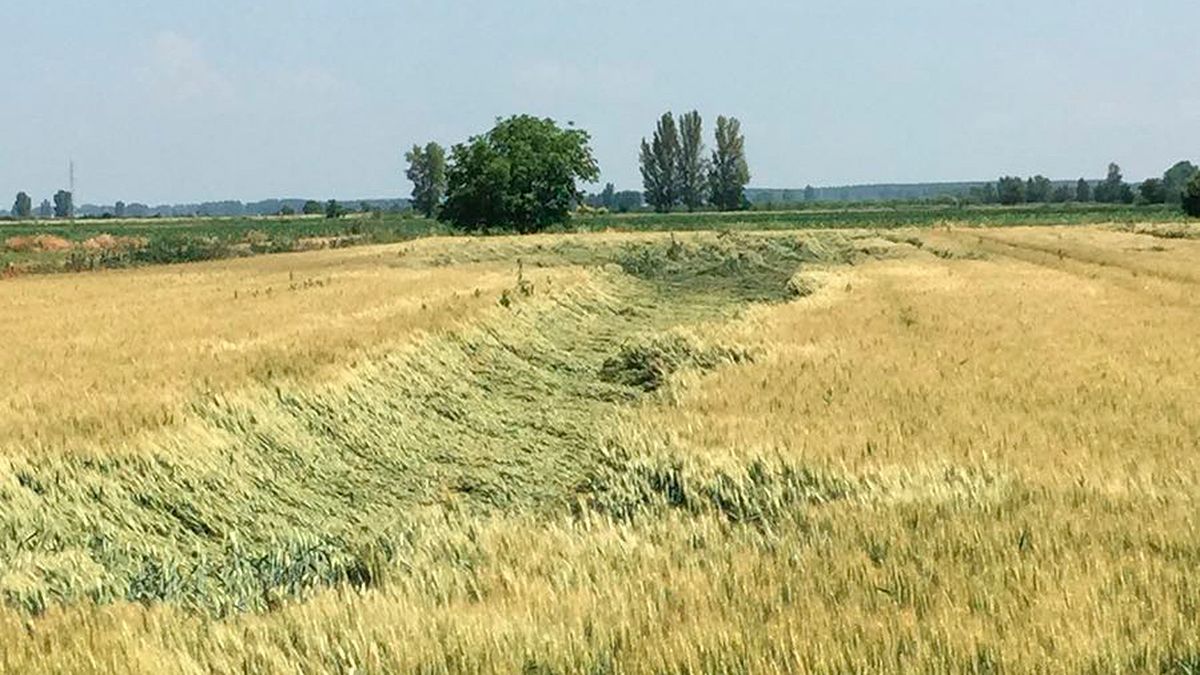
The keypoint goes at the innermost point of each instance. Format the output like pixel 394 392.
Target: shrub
pixel 1191 197
pixel 109 243
pixel 37 243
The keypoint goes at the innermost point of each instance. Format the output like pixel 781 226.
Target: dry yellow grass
pixel 1014 438
pixel 94 359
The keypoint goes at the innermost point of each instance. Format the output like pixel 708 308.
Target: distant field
pixel 52 246
pixel 916 446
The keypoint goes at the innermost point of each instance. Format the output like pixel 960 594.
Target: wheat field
pixel 952 449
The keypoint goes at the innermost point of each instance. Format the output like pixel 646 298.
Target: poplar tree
pixel 660 160
pixel 692 165
pixel 730 172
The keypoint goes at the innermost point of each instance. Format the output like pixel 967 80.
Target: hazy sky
pixel 171 101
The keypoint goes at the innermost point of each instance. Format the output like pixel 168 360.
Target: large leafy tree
pixel 692 169
pixel 23 206
pixel 522 174
pixel 427 171
pixel 1176 179
pixel 660 160
pixel 1191 196
pixel 730 173
pixel 1152 191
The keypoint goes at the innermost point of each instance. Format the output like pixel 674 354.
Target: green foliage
pixel 1176 179
pixel 882 217
pixel 1152 191
pixel 1083 191
pixel 1114 189
pixel 287 211
pixel 119 209
pixel 1038 189
pixel 983 194
pixel 427 171
pixel 523 174
pixel 660 161
pixel 195 240
pixel 22 206
pixel 693 166
pixel 608 198
pixel 1010 190
pixel 1191 197
pixel 313 207
pixel 64 206
pixel 334 210
pixel 730 172
pixel 628 200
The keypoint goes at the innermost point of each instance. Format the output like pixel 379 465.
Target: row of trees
pixel 619 202
pixel 676 173
pixel 1112 190
pixel 64 206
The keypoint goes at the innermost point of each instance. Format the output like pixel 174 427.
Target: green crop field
pixel 50 246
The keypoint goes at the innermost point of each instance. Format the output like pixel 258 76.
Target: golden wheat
pixel 974 453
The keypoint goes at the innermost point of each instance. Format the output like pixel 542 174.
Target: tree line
pixel 524 174
pixel 1173 188
pixel 63 207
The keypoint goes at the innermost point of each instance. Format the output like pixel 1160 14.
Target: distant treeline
pixel 1008 190
pixel 884 192
pixel 229 208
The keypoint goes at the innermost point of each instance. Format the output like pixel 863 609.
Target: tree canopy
pixel 693 165
pixel 660 160
pixel 1083 191
pixel 64 206
pixel 1176 179
pixel 1191 196
pixel 22 206
pixel 523 174
pixel 1114 189
pixel 1010 190
pixel 1152 191
pixel 427 171
pixel 730 172
pixel 1038 189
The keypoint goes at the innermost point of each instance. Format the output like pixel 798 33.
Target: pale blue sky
pixel 170 101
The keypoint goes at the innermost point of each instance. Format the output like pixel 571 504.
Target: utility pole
pixel 71 181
